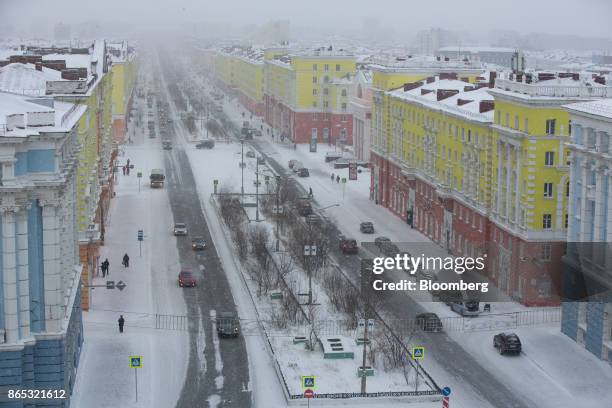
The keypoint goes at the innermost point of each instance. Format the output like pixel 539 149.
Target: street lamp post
pixel 278 178
pixel 242 170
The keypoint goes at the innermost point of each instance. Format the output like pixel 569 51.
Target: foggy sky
pixel 576 17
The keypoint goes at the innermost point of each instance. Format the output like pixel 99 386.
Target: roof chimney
pixel 461 102
pixel 445 93
pixel 426 91
pixel 408 86
pixel 492 77
pixel 430 79
pixel 486 106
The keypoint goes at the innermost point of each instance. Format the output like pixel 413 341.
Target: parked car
pixel 296 166
pixel 198 243
pixel 261 160
pixel 507 343
pixel 180 229
pixel 292 163
pixel 205 144
pixel 228 324
pixel 167 145
pixel 331 156
pixel 341 164
pixel 366 227
pixel 250 154
pixel 186 278
pixel 303 172
pixel 469 307
pixel 347 245
pixel 389 249
pixel 378 241
pixel 429 322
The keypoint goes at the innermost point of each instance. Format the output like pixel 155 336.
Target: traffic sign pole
pixel 136 377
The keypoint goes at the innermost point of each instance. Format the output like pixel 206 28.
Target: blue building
pixel 41 331
pixel 587 305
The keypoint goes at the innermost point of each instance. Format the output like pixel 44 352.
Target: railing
pixel 171 322
pixel 70 111
pixel 576 91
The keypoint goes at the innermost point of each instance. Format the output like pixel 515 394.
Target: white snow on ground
pixel 105 378
pixel 552 370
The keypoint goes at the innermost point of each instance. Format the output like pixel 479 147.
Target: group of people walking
pixel 104 266
pixel 337 177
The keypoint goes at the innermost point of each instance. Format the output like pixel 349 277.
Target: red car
pixel 186 278
pixel 348 245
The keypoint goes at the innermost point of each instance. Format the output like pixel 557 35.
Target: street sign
pixel 310 250
pixel 140 235
pixel 446 391
pixel 139 174
pixel 110 284
pixel 215 182
pixel 343 180
pixel 136 361
pixel 120 285
pixel 370 324
pixel 361 323
pixel 313 144
pixel 445 402
pixel 308 381
pixel 309 393
pixel 418 353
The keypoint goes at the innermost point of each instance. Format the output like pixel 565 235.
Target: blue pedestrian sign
pixel 446 391
pixel 136 361
pixel 140 235
pixel 308 382
pixel 418 353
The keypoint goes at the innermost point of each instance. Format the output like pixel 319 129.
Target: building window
pixel 343 105
pixel 314 91
pixel 549 158
pixel 550 126
pixel 337 67
pixel 546 254
pixel 314 67
pixel 507 119
pixel 566 220
pixel 516 122
pixel 343 118
pixel 547 221
pixel 567 189
pixel 315 116
pixel 526 130
pixel 548 190
pixel 314 80
pixel 343 92
pixel 314 104
pixel 325 104
pixel 325 91
pixel 326 67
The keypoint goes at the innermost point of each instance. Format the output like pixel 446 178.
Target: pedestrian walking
pixel 123 169
pixel 105 266
pixel 332 178
pixel 128 163
pixel 338 179
pixel 126 260
pixel 121 323
pixel 295 146
pixel 310 192
pixel 127 170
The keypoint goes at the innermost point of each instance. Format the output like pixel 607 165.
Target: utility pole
pixel 257 190
pixel 363 363
pixel 242 169
pixel 278 178
pixel 365 278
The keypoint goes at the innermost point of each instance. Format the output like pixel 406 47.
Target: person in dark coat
pixel 126 260
pixel 310 192
pixel 338 179
pixel 105 266
pixel 123 169
pixel 121 323
pixel 332 177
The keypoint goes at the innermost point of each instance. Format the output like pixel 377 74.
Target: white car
pixel 180 229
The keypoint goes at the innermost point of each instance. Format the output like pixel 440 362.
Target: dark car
pixel 205 144
pixel 167 145
pixel 366 227
pixel 347 245
pixel 341 164
pixel 389 249
pixel 292 163
pixel 303 172
pixel 250 154
pixel 331 156
pixel 378 241
pixel 198 243
pixel 429 322
pixel 228 324
pixel 507 343
pixel 186 279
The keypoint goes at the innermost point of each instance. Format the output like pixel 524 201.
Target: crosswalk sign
pixel 136 361
pixel 418 353
pixel 308 382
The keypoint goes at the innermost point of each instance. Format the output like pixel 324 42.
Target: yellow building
pixel 123 58
pixel 306 95
pixel 481 170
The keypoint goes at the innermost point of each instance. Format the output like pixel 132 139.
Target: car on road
pixel 256 132
pixel 186 279
pixel 378 241
pixel 292 163
pixel 429 322
pixel 198 243
pixel 205 144
pixel 180 229
pixel 167 145
pixel 250 154
pixel 331 156
pixel 507 343
pixel 366 227
pixel 296 166
pixel 347 245
pixel 228 324
pixel 341 164
pixel 303 172
pixel 389 249
pixel 468 307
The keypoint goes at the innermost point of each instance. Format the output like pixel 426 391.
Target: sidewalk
pixel 105 378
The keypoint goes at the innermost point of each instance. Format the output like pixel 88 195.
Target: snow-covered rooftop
pixel 475 49
pixel 470 99
pixel 60 116
pixel 601 108
pixel 26 79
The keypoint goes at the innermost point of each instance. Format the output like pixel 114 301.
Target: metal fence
pixel 171 322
